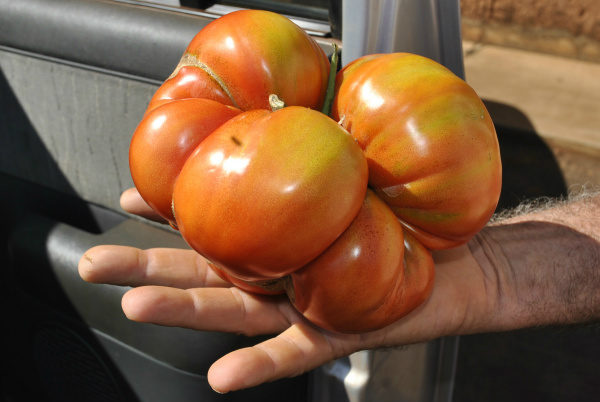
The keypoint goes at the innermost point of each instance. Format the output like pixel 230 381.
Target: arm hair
pixel 542 262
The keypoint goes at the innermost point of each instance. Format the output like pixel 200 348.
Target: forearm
pixel 542 268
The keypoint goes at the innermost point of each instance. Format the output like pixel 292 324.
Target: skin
pixel 505 278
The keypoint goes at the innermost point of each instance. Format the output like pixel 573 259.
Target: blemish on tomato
pixel 236 141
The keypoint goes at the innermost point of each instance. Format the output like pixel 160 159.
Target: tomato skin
pixel 269 191
pixel 260 288
pixel 431 145
pixel 189 82
pixel 162 142
pixel 359 283
pixel 253 54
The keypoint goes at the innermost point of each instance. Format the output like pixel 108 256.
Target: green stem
pixel 329 95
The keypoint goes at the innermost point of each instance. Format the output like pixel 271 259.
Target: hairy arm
pixel 541 267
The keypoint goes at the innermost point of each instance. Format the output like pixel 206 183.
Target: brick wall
pixel 569 28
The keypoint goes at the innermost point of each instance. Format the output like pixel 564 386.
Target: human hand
pixel 131 201
pixel 505 278
pixel 178 288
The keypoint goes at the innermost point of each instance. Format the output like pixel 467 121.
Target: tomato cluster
pixel 340 212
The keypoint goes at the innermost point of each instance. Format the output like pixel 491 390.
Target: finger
pixel 132 202
pixel 214 309
pixel 299 349
pixel 129 266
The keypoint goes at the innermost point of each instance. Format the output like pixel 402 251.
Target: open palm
pixel 177 288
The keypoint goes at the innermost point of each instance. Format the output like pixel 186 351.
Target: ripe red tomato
pixel 342 213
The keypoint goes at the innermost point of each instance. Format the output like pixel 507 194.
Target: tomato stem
pixel 328 103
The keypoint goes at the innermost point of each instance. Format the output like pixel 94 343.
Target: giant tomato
pixel 340 213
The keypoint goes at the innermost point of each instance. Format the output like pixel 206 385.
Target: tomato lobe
pixel 358 284
pixel 428 139
pixel 162 142
pixel 268 202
